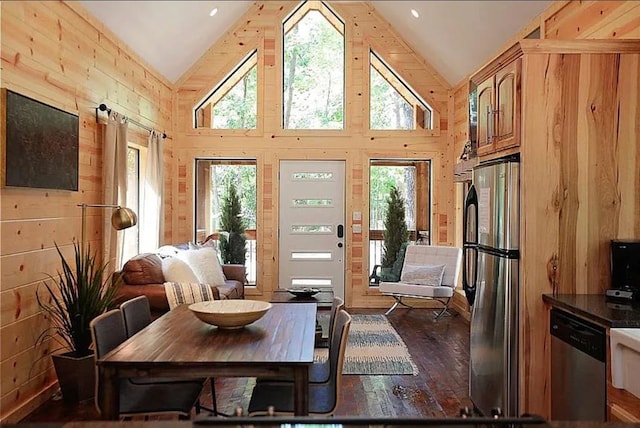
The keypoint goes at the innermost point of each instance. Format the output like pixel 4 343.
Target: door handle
pixel 340 231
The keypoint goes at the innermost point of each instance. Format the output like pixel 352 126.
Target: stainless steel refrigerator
pixel 490 280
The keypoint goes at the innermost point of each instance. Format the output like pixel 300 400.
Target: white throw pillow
pixel 205 264
pixel 423 275
pixel 167 251
pixel 177 270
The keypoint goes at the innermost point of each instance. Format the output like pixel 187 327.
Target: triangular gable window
pixel 393 104
pixel 233 104
pixel 313 71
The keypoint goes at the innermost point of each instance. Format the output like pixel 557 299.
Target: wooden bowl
pixel 230 313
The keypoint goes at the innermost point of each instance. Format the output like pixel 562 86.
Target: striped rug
pixel 374 347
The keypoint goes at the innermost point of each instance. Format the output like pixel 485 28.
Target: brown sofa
pixel 142 275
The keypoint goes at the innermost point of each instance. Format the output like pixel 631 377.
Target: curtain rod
pixel 103 107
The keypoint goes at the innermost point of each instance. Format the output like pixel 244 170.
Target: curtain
pixel 114 169
pixel 151 223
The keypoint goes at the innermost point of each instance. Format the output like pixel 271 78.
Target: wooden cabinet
pixel 499 105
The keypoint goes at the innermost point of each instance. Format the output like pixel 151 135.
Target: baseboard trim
pixel 14 416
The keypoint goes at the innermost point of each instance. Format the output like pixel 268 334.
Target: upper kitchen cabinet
pixel 499 103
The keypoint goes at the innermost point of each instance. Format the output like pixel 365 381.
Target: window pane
pixel 310 282
pixel 131 235
pixel 213 177
pixel 313 72
pixel 312 202
pixel 239 108
pixel 307 255
pixel 315 229
pixel 313 176
pixel 388 109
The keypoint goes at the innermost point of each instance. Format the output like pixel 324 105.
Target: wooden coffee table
pixel 323 300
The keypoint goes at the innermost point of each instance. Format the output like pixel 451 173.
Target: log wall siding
pixel 54 52
pixel 355 145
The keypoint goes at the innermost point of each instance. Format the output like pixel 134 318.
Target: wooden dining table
pixel 178 344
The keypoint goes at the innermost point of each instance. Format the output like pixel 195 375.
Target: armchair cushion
pixel 423 275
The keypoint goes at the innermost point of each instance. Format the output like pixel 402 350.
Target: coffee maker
pixel 625 270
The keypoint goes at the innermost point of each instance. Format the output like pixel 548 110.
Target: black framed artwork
pixel 40 144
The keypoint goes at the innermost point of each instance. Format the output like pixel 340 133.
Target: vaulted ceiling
pixel 455 37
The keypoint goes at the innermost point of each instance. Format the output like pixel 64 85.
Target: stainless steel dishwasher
pixel 578 369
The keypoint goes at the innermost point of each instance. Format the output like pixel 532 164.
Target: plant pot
pixel 76 376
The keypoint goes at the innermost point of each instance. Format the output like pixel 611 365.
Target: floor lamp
pixel 122 218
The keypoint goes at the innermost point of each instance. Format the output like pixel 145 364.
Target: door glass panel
pixel 312 176
pixel 310 282
pixel 312 229
pixel 310 256
pixel 311 202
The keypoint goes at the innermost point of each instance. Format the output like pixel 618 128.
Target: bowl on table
pixel 230 313
pixel 303 292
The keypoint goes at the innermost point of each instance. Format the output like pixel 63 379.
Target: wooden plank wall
pixel 580 188
pixel 356 144
pixel 54 52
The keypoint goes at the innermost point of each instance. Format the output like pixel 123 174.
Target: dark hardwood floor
pixel 440 349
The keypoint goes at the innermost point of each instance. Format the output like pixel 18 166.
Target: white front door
pixel 311 250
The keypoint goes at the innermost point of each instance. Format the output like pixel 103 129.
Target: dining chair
pixel 323 398
pixel 136 314
pixel 319 371
pixel 108 331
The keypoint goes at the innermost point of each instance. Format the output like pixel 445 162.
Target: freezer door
pixel 494 348
pixel 497 185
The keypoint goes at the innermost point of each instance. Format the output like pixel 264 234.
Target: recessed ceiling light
pixel 415 13
pixel 213 11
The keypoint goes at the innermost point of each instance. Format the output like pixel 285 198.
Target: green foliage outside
pixel 238 109
pixel 233 243
pixel 395 228
pixel 75 296
pixel 313 72
pixel 382 179
pixel 387 108
pixel 244 179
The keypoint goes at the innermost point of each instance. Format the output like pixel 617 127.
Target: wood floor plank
pixel 440 350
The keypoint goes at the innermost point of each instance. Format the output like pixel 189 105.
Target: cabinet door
pixel 486 123
pixel 508 106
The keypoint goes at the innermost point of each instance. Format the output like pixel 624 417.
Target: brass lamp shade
pixel 123 218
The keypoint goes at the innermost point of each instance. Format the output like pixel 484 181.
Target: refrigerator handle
pixel 470 250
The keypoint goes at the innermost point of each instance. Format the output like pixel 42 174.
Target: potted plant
pixel 76 296
pixel 396 237
pixel 233 242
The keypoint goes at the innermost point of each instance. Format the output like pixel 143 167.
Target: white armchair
pixel 426 258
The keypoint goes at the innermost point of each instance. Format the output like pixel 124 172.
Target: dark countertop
pixel 596 308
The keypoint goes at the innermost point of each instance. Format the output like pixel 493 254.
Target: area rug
pixel 374 347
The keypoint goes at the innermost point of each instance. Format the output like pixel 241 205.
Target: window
pixel 132 234
pixel 213 177
pixel 392 103
pixel 412 178
pixel 233 104
pixel 313 72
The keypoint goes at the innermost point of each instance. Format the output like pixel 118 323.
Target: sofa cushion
pixel 205 264
pixel 143 269
pixel 177 270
